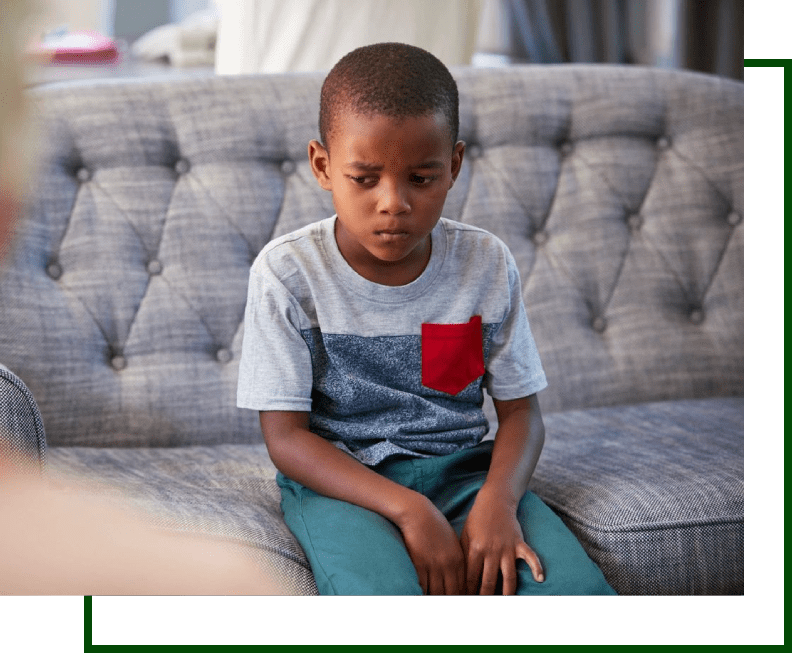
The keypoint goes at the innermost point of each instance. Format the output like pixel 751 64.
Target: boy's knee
pixel 352 551
pixel 378 565
pixel 362 582
pixel 575 578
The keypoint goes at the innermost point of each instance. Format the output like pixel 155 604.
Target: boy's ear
pixel 320 163
pixel 456 160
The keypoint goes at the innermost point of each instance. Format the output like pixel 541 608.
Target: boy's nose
pixel 393 200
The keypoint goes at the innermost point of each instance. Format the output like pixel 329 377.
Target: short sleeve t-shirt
pixel 387 370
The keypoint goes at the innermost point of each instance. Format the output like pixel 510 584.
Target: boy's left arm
pixel 492 538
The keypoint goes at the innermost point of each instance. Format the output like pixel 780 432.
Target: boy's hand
pixel 434 549
pixel 492 540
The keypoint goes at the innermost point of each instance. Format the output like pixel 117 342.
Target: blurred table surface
pixel 126 66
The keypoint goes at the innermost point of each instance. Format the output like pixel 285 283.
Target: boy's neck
pixel 396 273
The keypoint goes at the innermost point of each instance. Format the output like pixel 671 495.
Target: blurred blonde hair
pixel 17 20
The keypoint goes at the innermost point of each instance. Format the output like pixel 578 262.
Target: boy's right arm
pixel 317 464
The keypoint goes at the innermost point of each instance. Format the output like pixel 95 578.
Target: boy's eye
pixel 363 180
pixel 369 180
pixel 421 180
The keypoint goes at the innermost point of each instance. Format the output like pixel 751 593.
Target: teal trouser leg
pixel 568 569
pixel 353 551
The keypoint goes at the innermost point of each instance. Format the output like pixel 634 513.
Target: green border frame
pixel 756 618
pixel 69 623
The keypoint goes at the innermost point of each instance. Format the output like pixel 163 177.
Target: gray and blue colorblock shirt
pixel 387 370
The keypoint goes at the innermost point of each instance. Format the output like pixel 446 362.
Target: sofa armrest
pixel 22 439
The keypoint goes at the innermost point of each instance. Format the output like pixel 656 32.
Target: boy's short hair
pixel 393 79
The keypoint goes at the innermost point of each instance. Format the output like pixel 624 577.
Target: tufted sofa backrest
pixel 618 189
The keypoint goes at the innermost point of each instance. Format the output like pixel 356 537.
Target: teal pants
pixel 354 551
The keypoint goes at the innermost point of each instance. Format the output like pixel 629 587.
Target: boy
pixel 369 337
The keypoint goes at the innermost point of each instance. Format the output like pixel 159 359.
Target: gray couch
pixel 618 189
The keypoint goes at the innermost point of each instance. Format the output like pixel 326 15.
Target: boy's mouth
pixel 389 234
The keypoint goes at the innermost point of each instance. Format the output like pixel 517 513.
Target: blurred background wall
pixel 297 35
pixel 703 35
pixel 127 19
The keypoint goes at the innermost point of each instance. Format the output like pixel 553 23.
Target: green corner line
pixel 87 600
pixel 87 623
pixel 766 63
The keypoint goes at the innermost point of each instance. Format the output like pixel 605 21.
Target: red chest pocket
pixel 452 355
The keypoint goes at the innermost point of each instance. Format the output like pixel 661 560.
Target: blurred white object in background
pixel 190 42
pixel 272 36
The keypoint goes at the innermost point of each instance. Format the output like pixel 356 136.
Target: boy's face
pixel 389 178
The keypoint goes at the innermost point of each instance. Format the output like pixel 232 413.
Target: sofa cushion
pixel 225 491
pixel 23 444
pixel 654 492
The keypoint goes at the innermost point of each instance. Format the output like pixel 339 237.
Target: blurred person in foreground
pixel 57 538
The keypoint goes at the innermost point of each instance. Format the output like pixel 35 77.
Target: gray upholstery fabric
pixel 619 190
pixel 654 491
pixel 23 444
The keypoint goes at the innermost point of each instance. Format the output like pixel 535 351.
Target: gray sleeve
pixel 514 369
pixel 275 368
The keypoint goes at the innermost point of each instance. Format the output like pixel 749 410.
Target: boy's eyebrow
pixel 368 167
pixel 376 167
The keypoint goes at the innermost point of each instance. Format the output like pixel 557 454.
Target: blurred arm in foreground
pixel 60 539
pixel 56 537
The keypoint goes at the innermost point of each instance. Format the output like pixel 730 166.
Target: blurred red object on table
pixel 85 47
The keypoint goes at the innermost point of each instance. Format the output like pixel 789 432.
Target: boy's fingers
pixel 509 571
pixel 423 581
pixel 461 580
pixel 527 553
pixel 452 584
pixel 489 577
pixel 436 585
pixel 473 575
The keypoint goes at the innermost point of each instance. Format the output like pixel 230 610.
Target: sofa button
pixel 474 151
pixel 696 316
pixel 599 324
pixel 182 166
pixel 154 267
pixel 223 355
pixel 734 218
pixel 83 175
pixel 540 238
pixel 566 148
pixel 118 362
pixel 635 222
pixel 663 143
pixel 288 167
pixel 54 270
